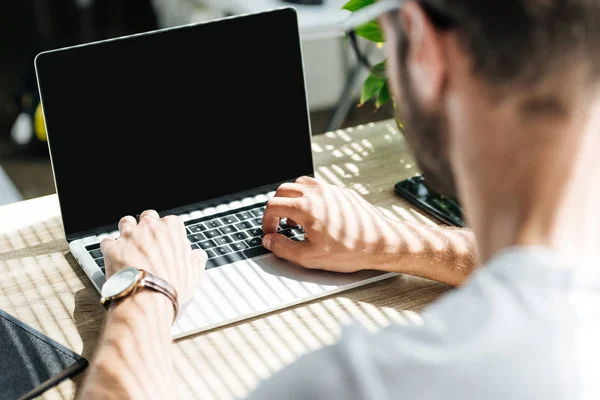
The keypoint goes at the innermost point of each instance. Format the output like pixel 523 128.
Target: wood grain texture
pixel 42 284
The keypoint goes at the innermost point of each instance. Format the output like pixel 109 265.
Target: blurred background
pixel 27 27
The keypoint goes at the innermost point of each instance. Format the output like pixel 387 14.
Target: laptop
pixel 204 121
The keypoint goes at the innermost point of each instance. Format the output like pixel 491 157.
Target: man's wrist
pixel 437 253
pixel 394 247
pixel 136 337
pixel 146 304
pixel 129 282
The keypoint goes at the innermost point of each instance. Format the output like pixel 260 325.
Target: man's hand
pixel 159 246
pixel 134 358
pixel 344 233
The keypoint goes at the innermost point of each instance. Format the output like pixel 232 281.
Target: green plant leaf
pixel 374 84
pixel 380 68
pixel 384 95
pixel 354 5
pixel 371 88
pixel 370 31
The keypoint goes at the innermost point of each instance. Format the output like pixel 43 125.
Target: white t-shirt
pixel 522 327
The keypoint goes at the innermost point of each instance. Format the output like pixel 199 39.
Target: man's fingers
pixel 200 256
pixel 106 244
pixel 290 190
pixel 149 215
pixel 307 180
pixel 126 224
pixel 282 207
pixel 285 248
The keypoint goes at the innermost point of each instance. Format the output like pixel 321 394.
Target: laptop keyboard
pixel 227 237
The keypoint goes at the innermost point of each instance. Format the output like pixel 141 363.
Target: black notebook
pixel 30 362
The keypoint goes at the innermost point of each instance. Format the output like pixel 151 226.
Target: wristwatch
pixel 129 280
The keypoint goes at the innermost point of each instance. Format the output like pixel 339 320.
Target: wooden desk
pixel 42 284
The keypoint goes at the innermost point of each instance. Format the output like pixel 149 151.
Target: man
pixel 500 101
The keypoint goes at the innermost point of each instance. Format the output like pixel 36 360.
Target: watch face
pixel 120 282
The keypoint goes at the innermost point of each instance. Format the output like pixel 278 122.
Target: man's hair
pixel 525 41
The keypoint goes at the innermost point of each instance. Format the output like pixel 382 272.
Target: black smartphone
pixel 442 208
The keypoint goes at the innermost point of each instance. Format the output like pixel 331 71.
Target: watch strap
pixel 153 282
pixel 160 285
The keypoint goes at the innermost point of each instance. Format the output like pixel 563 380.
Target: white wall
pixel 326 61
pixel 325 70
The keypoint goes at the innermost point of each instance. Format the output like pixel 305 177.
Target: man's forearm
pixel 442 254
pixel 134 359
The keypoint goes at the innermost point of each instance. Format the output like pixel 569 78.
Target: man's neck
pixel 535 184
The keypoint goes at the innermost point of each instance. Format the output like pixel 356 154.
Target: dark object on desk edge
pixel 304 2
pixel 440 207
pixel 31 361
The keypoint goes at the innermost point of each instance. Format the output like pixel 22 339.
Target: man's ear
pixel 426 60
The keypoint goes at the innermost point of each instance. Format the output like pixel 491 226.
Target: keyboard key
pixel 195 246
pixel 92 247
pixel 226 230
pixel 213 224
pixel 258 212
pixel 255 252
pixel 257 221
pixel 209 244
pixel 227 259
pixel 244 215
pixel 221 251
pixel 255 241
pixel 210 254
pixel 237 256
pixel 103 270
pixel 212 234
pixel 196 238
pixel 196 228
pixel 96 253
pixel 195 222
pixel 238 246
pixel 229 220
pixel 256 232
pixel 244 225
pixel 288 232
pixel 239 236
pixel 221 240
pixel 100 262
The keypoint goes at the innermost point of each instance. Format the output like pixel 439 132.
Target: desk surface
pixel 42 284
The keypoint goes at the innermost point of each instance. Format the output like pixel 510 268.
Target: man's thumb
pixel 283 247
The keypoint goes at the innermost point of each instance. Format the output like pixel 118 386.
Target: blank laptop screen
pixel 168 119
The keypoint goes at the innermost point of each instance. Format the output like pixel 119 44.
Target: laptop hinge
pixel 183 210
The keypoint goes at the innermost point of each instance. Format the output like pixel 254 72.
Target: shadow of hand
pixel 89 316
